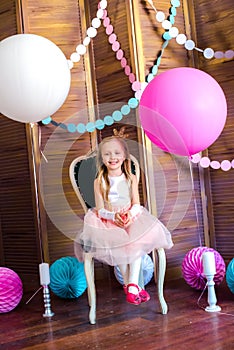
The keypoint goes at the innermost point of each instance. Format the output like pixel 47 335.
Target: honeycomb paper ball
pixel 67 278
pixel 11 289
pixel 230 275
pixel 147 266
pixel 192 268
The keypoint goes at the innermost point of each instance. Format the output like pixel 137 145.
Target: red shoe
pixel 144 296
pixel 133 298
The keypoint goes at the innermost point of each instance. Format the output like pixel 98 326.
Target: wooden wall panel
pixel 113 85
pixel 20 248
pixel 62 23
pixel 8 22
pixel 181 209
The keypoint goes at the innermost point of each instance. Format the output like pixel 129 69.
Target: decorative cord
pixel 203 308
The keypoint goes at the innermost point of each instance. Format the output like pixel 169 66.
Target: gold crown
pixel 120 133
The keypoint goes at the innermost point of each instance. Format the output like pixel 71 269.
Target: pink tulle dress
pixel 114 245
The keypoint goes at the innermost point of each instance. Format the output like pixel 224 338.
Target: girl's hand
pixel 127 218
pixel 119 220
pixel 123 219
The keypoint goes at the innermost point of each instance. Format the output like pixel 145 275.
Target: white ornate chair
pixel 82 172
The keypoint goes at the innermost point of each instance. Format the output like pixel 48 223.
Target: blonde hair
pixel 102 172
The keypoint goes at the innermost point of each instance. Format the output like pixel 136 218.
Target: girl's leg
pixel 124 269
pixel 134 272
pixel 134 289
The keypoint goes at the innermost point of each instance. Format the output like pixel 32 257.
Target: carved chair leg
pixel 89 273
pixel 159 258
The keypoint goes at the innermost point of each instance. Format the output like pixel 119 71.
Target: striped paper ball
pixel 192 268
pixel 230 275
pixel 147 266
pixel 11 289
pixel 67 278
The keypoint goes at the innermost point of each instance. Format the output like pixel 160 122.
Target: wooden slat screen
pixel 17 212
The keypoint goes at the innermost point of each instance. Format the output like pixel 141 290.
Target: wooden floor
pixel 121 325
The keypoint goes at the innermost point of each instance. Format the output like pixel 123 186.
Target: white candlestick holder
pixel 212 300
pixel 45 281
pixel 209 268
pixel 46 295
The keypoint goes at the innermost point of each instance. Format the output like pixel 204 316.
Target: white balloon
pixel 35 77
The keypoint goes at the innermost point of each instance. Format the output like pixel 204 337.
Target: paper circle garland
pixel 35 77
pixel 147 266
pixel 230 275
pixel 67 278
pixel 11 289
pixel 192 268
pixel 183 110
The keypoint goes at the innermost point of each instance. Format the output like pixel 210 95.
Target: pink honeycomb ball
pixel 192 268
pixel 11 289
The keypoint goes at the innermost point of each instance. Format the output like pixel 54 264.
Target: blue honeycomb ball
pixel 230 275
pixel 147 269
pixel 67 278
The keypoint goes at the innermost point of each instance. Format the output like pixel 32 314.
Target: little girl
pixel 119 231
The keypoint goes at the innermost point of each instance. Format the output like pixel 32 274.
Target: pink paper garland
pixel 206 162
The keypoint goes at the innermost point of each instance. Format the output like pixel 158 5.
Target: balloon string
pixel 34 295
pixel 39 144
pixel 33 148
pixel 198 301
pixel 195 204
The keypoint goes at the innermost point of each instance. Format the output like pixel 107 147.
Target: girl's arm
pixel 135 208
pixel 99 203
pixel 102 212
pixel 135 192
pixel 135 203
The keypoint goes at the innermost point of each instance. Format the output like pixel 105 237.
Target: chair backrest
pixel 82 173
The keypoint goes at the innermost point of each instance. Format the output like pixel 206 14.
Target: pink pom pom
pixel 192 268
pixel 11 289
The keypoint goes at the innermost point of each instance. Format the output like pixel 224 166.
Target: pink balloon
pixel 183 110
pixel 167 137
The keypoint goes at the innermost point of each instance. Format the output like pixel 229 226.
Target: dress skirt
pixel 113 245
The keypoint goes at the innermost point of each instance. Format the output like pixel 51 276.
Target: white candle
pixel 44 274
pixel 208 261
